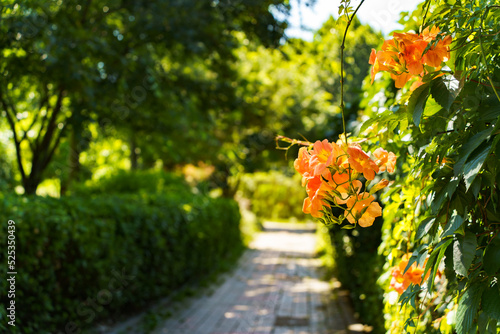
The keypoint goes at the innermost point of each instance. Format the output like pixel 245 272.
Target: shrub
pixel 273 195
pixel 351 257
pixel 148 181
pixel 73 252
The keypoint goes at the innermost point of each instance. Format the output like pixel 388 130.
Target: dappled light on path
pixel 275 289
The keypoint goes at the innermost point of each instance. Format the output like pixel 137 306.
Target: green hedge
pixel 116 252
pixel 273 195
pixel 125 181
pixel 351 256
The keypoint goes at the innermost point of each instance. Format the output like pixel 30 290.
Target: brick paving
pixel 275 289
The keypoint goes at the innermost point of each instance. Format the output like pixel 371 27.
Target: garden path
pixel 275 289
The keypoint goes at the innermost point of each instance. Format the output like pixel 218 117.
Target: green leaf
pixel 448 266
pixel 473 329
pixel 473 166
pixel 431 107
pixel 476 187
pixel 424 227
pixel 482 322
pixel 451 187
pixel 467 308
pixel 490 110
pixel 417 101
pixel 497 147
pixel 461 200
pixel 409 295
pixel 492 327
pixel 464 249
pixel 453 224
pixel 434 260
pixel 419 255
pixel 491 302
pixel 491 258
pixel 445 90
pixel 443 193
pixel 469 147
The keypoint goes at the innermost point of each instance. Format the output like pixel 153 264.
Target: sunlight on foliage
pixel 440 235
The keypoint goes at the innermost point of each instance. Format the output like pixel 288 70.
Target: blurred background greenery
pixel 91 89
pixel 129 128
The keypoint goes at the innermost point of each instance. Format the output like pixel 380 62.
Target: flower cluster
pixel 330 172
pixel 405 55
pixel 400 282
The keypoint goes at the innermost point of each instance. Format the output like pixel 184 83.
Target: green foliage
pixel 294 90
pixel 325 250
pixel 152 73
pixel 444 202
pixel 120 251
pixel 174 83
pixel 138 181
pixel 272 195
pixel 7 175
pixel 351 256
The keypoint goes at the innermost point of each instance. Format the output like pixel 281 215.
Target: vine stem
pixel 342 106
pixel 425 14
pixel 482 49
pixel 420 313
pixel 342 47
pixel 291 141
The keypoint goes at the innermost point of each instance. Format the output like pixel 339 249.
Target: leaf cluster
pixel 447 191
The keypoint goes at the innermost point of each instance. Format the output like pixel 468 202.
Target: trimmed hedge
pixel 126 181
pixel 351 256
pixel 79 260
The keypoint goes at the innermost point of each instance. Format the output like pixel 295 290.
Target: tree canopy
pixel 142 69
pixel 172 81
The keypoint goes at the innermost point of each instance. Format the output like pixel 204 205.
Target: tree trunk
pixel 73 159
pixel 30 184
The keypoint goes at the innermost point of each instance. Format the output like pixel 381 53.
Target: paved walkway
pixel 274 290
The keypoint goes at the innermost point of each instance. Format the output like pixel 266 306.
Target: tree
pixel 71 63
pixel 295 90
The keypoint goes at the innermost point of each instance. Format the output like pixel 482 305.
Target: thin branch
pixel 447 131
pixel 52 122
pixel 45 119
pixel 48 158
pixel 25 131
pixel 291 141
pixel 31 125
pixel 45 99
pixel 420 314
pixel 425 15
pixel 43 102
pixel 17 143
pixel 47 137
pixel 484 84
pixel 342 47
pixel 464 43
pixel 30 143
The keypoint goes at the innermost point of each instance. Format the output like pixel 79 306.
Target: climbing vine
pixel 438 174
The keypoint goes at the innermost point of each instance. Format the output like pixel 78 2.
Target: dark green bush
pixel 351 256
pixel 70 252
pixel 125 181
pixel 358 266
